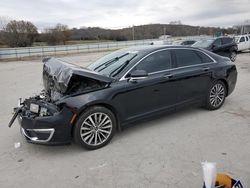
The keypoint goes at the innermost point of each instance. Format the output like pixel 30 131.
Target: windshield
pixel 112 64
pixel 203 43
pixel 236 39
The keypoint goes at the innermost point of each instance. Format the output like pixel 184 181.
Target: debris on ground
pixel 17 145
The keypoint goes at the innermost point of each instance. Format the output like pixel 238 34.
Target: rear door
pixel 193 72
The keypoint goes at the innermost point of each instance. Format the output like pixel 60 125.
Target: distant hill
pixel 144 32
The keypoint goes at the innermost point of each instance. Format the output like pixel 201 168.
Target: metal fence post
pixel 54 51
pixel 16 53
pixel 42 51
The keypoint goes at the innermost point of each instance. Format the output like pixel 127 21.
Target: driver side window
pixel 242 39
pixel 158 61
pixel 217 42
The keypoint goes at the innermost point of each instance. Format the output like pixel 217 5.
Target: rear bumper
pixel 232 79
pixel 49 130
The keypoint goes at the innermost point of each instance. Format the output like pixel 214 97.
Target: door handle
pixel 205 68
pixel 168 76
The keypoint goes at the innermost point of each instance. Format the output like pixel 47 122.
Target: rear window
pixel 204 58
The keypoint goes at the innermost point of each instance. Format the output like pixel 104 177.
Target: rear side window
pixel 227 40
pixel 185 57
pixel 156 62
pixel 242 39
pixel 204 58
pixel 246 38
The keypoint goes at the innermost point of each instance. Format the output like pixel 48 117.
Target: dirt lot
pixel 164 152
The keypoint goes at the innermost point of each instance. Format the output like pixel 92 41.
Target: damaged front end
pixel 44 118
pixel 44 122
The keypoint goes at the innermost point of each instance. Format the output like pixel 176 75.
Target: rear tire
pixel 216 95
pixel 95 128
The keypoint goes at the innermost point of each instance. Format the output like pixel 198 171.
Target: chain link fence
pixel 44 51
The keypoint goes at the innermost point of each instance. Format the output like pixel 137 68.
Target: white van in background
pixel 243 42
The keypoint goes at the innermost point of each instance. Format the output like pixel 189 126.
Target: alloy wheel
pixel 217 95
pixel 233 56
pixel 96 129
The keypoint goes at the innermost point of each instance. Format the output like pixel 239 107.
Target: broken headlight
pixel 34 108
pixel 43 111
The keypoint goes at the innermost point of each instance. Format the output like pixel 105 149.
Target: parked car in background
pixel 188 42
pixel 243 42
pixel 224 46
pixel 90 104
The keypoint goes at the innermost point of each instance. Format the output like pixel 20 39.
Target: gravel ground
pixel 163 152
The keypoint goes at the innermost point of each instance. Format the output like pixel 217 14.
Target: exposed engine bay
pixel 61 79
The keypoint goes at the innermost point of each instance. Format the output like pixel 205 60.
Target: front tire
pixel 95 127
pixel 216 95
pixel 233 55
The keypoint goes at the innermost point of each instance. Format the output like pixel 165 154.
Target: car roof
pixel 151 48
pixel 222 37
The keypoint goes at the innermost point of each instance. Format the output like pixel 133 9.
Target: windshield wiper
pixel 121 67
pixel 109 62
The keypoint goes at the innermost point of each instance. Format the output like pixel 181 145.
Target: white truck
pixel 243 42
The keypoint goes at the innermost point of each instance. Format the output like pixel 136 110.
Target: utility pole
pixel 164 33
pixel 133 32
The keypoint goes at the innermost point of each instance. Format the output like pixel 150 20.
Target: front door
pixel 155 92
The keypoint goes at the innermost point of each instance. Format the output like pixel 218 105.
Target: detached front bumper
pixel 49 130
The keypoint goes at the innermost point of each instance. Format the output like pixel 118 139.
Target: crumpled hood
pixel 57 74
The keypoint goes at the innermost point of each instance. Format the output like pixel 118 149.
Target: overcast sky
pixel 123 13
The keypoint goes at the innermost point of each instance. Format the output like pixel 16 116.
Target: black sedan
pixel 224 46
pixel 90 104
pixel 188 42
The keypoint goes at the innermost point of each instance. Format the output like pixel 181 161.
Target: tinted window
pixel 156 62
pixel 227 40
pixel 242 39
pixel 204 58
pixel 246 38
pixel 217 42
pixel 187 57
pixel 188 42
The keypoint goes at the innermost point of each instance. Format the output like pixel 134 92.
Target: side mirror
pixel 138 75
pixel 214 46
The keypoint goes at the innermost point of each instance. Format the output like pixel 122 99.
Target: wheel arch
pixel 106 105
pixel 226 84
